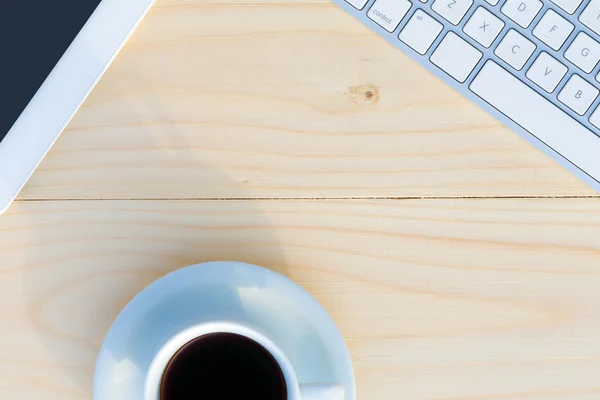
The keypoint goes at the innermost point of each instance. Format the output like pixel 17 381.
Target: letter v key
pixel 546 72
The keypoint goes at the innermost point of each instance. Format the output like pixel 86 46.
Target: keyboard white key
pixel 538 116
pixel 452 10
pixel 484 27
pixel 568 5
pixel 584 52
pixel 515 49
pixel 456 57
pixel 578 95
pixel 595 118
pixel 590 17
pixel 420 32
pixel 389 13
pixel 546 72
pixel 553 30
pixel 522 11
pixel 359 4
pixel 492 2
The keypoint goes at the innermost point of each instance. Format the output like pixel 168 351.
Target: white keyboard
pixel 532 64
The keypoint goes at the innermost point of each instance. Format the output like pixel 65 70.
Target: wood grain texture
pixel 438 299
pixel 245 98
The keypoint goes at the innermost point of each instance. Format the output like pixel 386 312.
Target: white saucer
pixel 224 291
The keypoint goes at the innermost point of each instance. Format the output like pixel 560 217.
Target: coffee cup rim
pixel 166 352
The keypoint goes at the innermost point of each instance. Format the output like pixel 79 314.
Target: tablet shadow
pixel 89 258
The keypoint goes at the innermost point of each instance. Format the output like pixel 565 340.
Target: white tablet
pixel 52 53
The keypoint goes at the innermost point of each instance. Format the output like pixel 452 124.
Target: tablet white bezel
pixel 64 91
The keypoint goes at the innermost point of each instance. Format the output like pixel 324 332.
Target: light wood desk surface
pixel 459 262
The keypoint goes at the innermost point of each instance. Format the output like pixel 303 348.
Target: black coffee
pixel 223 366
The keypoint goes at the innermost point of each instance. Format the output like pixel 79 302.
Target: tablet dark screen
pixel 34 34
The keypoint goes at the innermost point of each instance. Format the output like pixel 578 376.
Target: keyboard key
pixel 568 5
pixel 553 30
pixel 538 116
pixel 359 4
pixel 492 2
pixel 389 13
pixel 522 11
pixel 483 27
pixel 590 17
pixel 578 95
pixel 456 57
pixel 546 72
pixel 515 49
pixel 584 52
pixel 420 32
pixel 452 10
pixel 595 118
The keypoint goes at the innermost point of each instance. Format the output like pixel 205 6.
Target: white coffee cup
pixel 224 297
pixel 295 389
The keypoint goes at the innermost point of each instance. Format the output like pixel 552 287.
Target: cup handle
pixel 322 391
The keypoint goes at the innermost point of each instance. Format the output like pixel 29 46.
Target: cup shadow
pixel 97 255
